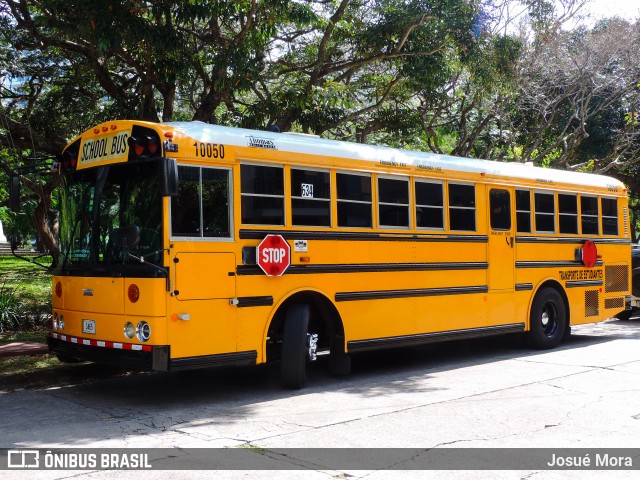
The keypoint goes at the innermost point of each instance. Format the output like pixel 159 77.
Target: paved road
pixel 489 393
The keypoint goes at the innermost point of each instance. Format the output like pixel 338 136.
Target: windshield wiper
pixel 142 260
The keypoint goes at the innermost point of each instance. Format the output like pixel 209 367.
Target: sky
pixel 629 9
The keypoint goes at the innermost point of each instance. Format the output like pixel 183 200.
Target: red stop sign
pixel 274 255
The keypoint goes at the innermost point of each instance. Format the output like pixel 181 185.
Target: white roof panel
pixel 311 145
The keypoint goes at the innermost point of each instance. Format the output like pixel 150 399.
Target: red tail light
pixel 144 145
pixel 133 293
pixel 152 145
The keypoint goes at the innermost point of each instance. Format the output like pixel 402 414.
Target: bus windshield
pixel 111 218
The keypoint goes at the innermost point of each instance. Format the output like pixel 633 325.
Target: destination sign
pixel 105 147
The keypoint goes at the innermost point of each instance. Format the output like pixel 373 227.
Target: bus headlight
pixel 143 331
pixel 55 320
pixel 61 323
pixel 129 330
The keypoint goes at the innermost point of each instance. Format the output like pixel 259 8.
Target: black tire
pixel 293 361
pixel 548 320
pixel 625 315
pixel 635 282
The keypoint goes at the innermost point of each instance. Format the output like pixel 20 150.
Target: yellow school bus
pixel 186 245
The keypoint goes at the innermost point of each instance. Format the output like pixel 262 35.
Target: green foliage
pixel 25 295
pixel 12 310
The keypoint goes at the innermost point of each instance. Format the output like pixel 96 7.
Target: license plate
pixel 89 326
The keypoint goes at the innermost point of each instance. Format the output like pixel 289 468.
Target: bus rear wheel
pixel 293 360
pixel 548 319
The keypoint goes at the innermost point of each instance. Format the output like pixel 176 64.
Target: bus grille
pixel 614 302
pixel 591 303
pixel 616 278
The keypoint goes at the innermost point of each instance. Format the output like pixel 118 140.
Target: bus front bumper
pixel 127 355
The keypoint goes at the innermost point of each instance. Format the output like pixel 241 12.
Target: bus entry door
pixel 501 240
pixel 202 321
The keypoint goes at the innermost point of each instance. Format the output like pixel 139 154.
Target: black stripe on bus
pixel 409 293
pixel 246 234
pixel 368 267
pixel 422 338
pixel 585 283
pixel 265 301
pixel 220 360
pixel 577 241
pixel 548 264
pixel 524 286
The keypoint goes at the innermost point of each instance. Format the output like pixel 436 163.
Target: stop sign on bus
pixel 274 255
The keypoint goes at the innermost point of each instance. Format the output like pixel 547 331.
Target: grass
pixel 26 364
pixel 31 281
pixel 25 296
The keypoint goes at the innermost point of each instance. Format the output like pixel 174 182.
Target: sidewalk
pixel 23 348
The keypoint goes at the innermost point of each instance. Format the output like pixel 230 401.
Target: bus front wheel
pixel 293 360
pixel 548 320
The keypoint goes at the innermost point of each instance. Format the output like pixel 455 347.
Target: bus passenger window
pixel 568 213
pixel 393 202
pixel 609 216
pixel 545 212
pixel 462 207
pixel 185 208
pixel 262 192
pixel 201 208
pixel 310 198
pixel 523 211
pixel 215 203
pixel 590 215
pixel 500 204
pixel 429 205
pixel 354 200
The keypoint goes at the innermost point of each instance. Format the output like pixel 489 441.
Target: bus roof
pixel 386 156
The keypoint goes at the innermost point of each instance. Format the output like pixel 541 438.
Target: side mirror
pixel 14 193
pixel 169 177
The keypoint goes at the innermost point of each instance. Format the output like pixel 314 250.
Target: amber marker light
pixel 133 293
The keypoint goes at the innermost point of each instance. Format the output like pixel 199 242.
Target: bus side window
pixel 500 204
pixel 462 207
pixel 590 215
pixel 568 213
pixel 429 204
pixel 185 208
pixel 545 215
pixel 523 211
pixel 201 208
pixel 310 198
pixel 215 203
pixel 354 200
pixel 393 202
pixel 262 192
pixel 609 216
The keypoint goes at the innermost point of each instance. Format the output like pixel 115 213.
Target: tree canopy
pixel 509 80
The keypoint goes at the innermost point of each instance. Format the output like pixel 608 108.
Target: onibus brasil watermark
pixel 260 458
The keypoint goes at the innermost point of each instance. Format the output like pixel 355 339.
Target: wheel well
pixel 556 286
pixel 324 320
